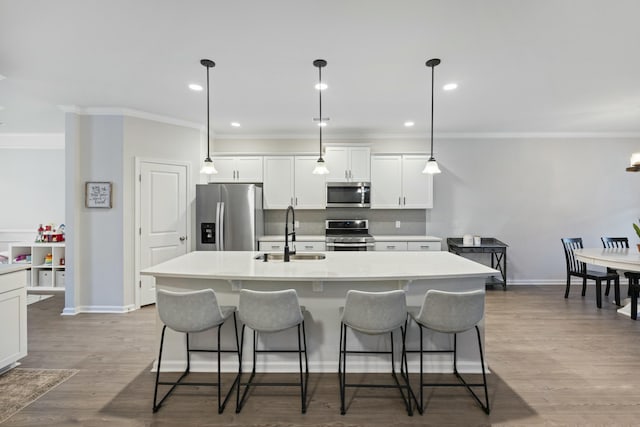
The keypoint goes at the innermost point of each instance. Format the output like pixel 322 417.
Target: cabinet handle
pixel 424 246
pixel 308 246
pixel 350 176
pixel 238 174
pixel 291 201
pixel 296 201
pixel 399 200
pixel 391 246
pixel 404 199
pixel 345 174
pixel 275 247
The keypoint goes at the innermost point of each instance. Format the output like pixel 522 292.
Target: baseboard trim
pixel 102 309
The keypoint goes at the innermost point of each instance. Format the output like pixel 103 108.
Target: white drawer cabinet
pixel 391 246
pixel 300 246
pixel 423 246
pixel 13 317
pixel 303 246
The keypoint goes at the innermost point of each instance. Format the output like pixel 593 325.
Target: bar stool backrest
pixel 270 311
pixel 193 311
pixel 451 312
pixel 375 312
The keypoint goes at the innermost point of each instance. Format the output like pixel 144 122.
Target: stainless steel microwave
pixel 348 194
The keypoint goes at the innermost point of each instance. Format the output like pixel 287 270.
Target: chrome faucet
pixel 287 252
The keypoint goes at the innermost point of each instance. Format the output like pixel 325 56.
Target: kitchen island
pixel 322 285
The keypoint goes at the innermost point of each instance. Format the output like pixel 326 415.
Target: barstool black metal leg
pixel 343 377
pixel 302 400
pixel 484 374
pixel 155 391
pixel 238 401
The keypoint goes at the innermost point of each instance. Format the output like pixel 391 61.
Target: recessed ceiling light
pixel 321 86
pixel 450 86
pixel 235 124
pixel 195 87
pixel 409 124
pixel 322 124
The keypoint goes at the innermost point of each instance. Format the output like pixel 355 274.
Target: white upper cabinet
pixel 237 169
pixel 278 182
pixel 351 164
pixel 288 180
pixel 310 190
pixel 397 182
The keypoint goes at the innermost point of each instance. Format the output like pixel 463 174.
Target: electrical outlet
pixel 397 224
pixel 296 224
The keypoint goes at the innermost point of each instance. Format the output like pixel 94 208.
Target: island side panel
pixel 322 323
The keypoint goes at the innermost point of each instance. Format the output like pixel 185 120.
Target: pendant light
pixel 207 165
pixel 321 167
pixel 432 166
pixel 634 163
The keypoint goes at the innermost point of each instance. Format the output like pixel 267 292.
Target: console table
pixel 490 245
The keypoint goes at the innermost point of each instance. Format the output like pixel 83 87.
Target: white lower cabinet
pixel 300 246
pixel 411 245
pixel 13 318
pixel 391 246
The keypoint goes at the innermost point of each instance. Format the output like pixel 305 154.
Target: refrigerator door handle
pixel 221 240
pixel 218 226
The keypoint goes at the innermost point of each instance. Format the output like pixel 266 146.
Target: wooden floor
pixel 553 362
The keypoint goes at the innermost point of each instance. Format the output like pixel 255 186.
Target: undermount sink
pixel 308 256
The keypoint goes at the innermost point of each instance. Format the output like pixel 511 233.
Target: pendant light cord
pixel 320 105
pixel 432 85
pixel 208 115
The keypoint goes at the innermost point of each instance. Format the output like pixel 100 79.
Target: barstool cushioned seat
pixel 192 312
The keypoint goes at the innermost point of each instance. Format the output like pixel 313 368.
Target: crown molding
pixel 128 112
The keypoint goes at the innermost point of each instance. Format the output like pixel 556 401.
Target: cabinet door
pixel 337 161
pixel 310 189
pixel 226 167
pixel 386 182
pixel 305 246
pixel 278 182
pixel 249 169
pixel 423 246
pixel 360 161
pixel 391 246
pixel 269 246
pixel 417 188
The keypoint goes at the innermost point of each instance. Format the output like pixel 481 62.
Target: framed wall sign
pixel 97 195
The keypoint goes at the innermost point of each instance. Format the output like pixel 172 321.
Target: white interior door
pixel 163 219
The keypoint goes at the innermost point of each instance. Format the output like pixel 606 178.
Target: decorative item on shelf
pixel 467 240
pixel 477 240
pixel 432 166
pixel 48 259
pixel 321 167
pixel 40 236
pixel 62 261
pixel 634 163
pixel 207 165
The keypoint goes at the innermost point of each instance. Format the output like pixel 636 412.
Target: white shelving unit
pixel 44 276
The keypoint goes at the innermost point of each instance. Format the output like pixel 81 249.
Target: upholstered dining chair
pixel 579 269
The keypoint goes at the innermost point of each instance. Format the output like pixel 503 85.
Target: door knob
pixel 183 238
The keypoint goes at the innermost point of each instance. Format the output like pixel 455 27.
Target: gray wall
pixel 527 192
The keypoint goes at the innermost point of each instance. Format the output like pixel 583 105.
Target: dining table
pixel 620 259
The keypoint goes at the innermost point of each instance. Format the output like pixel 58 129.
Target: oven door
pixel 349 246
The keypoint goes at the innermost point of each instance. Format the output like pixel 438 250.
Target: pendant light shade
pixel 321 167
pixel 634 163
pixel 432 166
pixel 207 165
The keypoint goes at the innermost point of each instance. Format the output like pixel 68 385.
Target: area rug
pixel 33 298
pixel 20 387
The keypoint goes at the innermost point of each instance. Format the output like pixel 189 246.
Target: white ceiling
pixel 543 66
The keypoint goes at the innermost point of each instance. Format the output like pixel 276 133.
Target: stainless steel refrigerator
pixel 229 217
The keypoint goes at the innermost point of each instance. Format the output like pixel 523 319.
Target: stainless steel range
pixel 348 235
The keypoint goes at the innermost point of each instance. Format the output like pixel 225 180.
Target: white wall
pixel 32 185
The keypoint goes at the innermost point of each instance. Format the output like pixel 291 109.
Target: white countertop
pixel 379 238
pixel 338 266
pixel 10 268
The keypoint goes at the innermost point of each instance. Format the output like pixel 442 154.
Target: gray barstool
pixel 373 313
pixel 451 313
pixel 191 312
pixel 267 312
